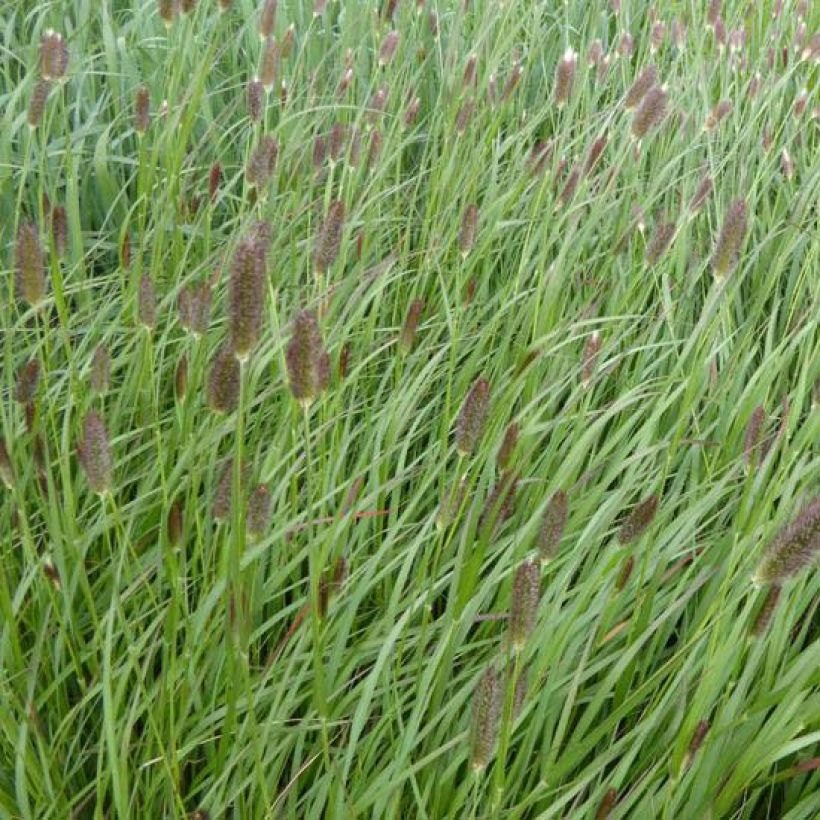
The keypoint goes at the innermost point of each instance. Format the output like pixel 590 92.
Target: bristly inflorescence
pixel 223 381
pixel 30 265
pixel 526 595
pixel 246 295
pixel 473 417
pixel 552 526
pixel 486 713
pixel 794 549
pixel 638 520
pixel 308 363
pixel 329 238
pixel 95 453
pixel 730 239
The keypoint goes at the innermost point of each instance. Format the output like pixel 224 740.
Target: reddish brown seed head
pixel 267 18
pixel 188 6
pixel 388 47
pixel 468 77
pixel 59 229
pixel 181 378
pixel 26 382
pixel 701 194
pixel 407 337
pixel 214 180
pixel 589 358
pixel 638 520
pixel 764 616
pixel 650 112
pixel 375 149
pixel 168 11
pixel 194 307
pixel 659 241
pixel 594 154
pixel 246 295
pixel 147 303
pixel 487 702
pixel 95 453
pixel 507 448
pixel 730 239
pixel 606 804
pixel 469 228
pixel 269 64
pixel 308 363
pixel 473 417
pixel 175 525
pixel 526 595
pixel 30 271
pixel 256 99
pixel 626 45
pixel 142 110
pixel 262 162
pixel 657 34
pixel 752 435
pixel 37 103
pixel 565 77
pixel 260 505
pixel 499 505
pixel 552 526
pixel 329 238
pixel 223 381
pixel 796 547
pixel 642 83
pixel 53 56
pixel 465 113
pixel 625 573
pixel 717 115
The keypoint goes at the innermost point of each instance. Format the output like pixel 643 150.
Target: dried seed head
pixel 194 307
pixel 175 525
pixel 698 736
pixel 223 381
pixel 465 113
pixel 27 381
pixel 188 6
pixel 377 104
pixel 6 467
pixel 512 81
pixel 53 56
pixel 214 179
pixel 259 511
pixel 262 162
pixel 717 115
pixel 59 229
pixel 552 526
pixel 469 75
pixel 344 83
pixel 507 448
pixel 407 337
pixel 181 378
pixel 795 547
pixel 269 64
pixel 142 110
pixel 375 149
pixel 638 520
pixel 100 376
pixel 469 227
pixel 147 303
pixel 659 242
pixel 642 83
pixel 223 495
pixel 329 238
pixel 650 112
pixel 246 296
pixel 570 185
pixel 565 77
pixel 499 506
pixel 626 45
pixel 730 239
pixel 486 712
pixel 168 11
pixel 336 141
pixel 752 437
pixel 267 18
pixel 766 611
pixel 606 804
pixel 589 358
pixel 37 103
pixel 256 99
pixel 657 34
pixel 30 265
pixel 801 101
pixel 308 363
pixel 702 193
pixel 344 360
pixel 331 583
pixel 595 53
pixel 526 595
pixel 95 453
pixel 520 694
pixel 473 417
pixel 387 50
pixel 540 156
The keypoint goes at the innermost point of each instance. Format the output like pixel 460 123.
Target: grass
pixel 156 659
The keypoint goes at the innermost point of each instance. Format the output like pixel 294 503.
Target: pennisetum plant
pixel 638 520
pixel 794 549
pixel 30 268
pixel 95 453
pixel 730 239
pixel 473 417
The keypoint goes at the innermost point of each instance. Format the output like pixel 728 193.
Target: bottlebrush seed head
pixel 717 115
pixel 147 303
pixel 570 185
pixel 469 228
pixel 464 115
pixel 650 112
pixel 194 307
pixel 175 526
pixel 626 572
pixel 262 162
pixel 267 18
pixel 246 296
pixel 223 495
pixel 223 381
pixel 214 180
pixel 507 448
pixel 657 34
pixel 259 511
pixel 432 23
pixel 256 99
pixel 411 112
pixel 100 377
pixel 606 804
pixel 329 239
pixel 407 337
pixel 751 436
pixel 730 239
pixel 795 547
pixel 469 75
pixel 30 265
pixel 702 193
pixel 512 81
pixel 638 520
pixel 269 64
pixel 698 736
pixel 450 504
pixel 37 103
pixel 642 83
pixel 387 50
pixel 375 149
pixel 59 229
pixel 526 595
pixel 142 110
pixel 565 77
pixel 486 713
pixel 288 42
pixel 473 417
pixel 552 526
pixel 713 12
pixel 589 358
pixel 168 11
pixel 595 151
pixel 377 103
pixel 626 45
pixel 659 241
pixel 188 6
pixel 6 467
pixel 181 378
pixel 760 625
pixel 308 363
pixel 499 506
pixel 53 56
pixel 595 53
pixel 95 453
pixel 27 381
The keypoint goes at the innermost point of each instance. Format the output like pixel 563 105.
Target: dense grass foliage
pixel 409 410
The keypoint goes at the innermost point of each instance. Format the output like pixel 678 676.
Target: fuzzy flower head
pixel 473 417
pixel 730 239
pixel 795 548
pixel 308 363
pixel 95 453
